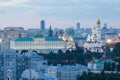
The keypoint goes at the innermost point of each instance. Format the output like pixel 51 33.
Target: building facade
pixel 38 43
pixel 68 72
pixel 7 65
pixel 13 32
pixel 30 62
pixel 98 65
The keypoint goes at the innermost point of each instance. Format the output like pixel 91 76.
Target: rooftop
pixel 24 39
pixel 52 39
pixel 103 61
pixel 32 39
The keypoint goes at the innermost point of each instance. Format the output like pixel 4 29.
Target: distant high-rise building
pixel 60 31
pixel 105 26
pixel 42 25
pixel 10 33
pixel 70 31
pixel 77 30
pixel 78 25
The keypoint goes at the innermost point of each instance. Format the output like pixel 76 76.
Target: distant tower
pixel 50 32
pixel 105 26
pixel 98 30
pixel 20 35
pixel 78 26
pixel 42 25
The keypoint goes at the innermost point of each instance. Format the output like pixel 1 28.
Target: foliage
pixel 99 76
pixel 70 57
pixel 24 51
pixel 116 50
pixel 78 56
pixel 116 53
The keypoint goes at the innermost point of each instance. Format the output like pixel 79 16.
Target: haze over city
pixel 59 40
pixel 58 13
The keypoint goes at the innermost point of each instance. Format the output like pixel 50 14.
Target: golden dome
pixel 98 22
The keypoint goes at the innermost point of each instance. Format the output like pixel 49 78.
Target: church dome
pixel 98 22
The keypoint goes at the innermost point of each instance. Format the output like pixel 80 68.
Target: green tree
pixel 24 51
pixel 60 51
pixel 68 51
pixel 107 66
pixel 99 76
pixel 79 49
pixel 117 48
pixel 118 67
pixel 113 66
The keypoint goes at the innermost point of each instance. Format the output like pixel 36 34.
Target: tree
pixel 68 51
pixel 116 52
pixel 84 76
pixel 17 51
pixel 24 51
pixel 79 49
pixel 35 51
pixel 118 67
pixel 113 66
pixel 107 66
pixel 117 48
pixel 99 76
pixel 60 51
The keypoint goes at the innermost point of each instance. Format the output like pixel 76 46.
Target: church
pixel 94 41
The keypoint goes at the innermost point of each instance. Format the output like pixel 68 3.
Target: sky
pixel 59 13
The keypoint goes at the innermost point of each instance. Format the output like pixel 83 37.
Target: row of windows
pixel 53 45
pixel 39 47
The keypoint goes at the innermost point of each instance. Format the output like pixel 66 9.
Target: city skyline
pixel 58 13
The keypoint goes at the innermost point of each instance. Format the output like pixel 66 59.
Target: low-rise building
pixel 66 72
pixel 7 65
pixel 31 61
pixel 98 65
pixel 93 46
pixel 13 32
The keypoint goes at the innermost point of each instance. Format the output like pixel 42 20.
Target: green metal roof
pixel 24 39
pixel 103 61
pixel 37 36
pixel 52 39
pixel 31 39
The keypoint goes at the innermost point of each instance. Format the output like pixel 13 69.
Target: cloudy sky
pixel 59 13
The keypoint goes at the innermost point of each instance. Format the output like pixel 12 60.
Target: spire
pixel 50 32
pixel 50 27
pixel 20 35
